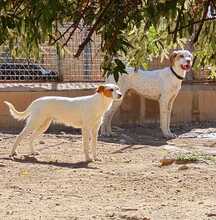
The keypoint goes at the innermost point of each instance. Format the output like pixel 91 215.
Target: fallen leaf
pixel 166 162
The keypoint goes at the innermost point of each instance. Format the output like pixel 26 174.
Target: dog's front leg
pixel 106 127
pixel 164 113
pixel 86 137
pixel 170 105
pixel 94 136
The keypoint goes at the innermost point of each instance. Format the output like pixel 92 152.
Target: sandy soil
pixel 128 183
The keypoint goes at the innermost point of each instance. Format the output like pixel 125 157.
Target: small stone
pixel 9 213
pixel 62 133
pixel 41 142
pixel 211 214
pixel 184 167
pixel 111 215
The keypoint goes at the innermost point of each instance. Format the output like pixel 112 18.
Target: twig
pixel 195 22
pixel 87 39
pixel 65 32
pixel 75 25
pixel 178 22
pixel 205 12
pixel 17 7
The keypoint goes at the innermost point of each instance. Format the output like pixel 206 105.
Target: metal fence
pixel 52 66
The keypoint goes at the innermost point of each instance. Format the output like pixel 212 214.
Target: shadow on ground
pixel 149 134
pixel 34 160
pixel 136 135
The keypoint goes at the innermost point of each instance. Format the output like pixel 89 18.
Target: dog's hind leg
pixel 26 130
pixel 37 132
pixel 86 138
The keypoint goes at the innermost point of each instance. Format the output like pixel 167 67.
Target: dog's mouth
pixel 185 66
pixel 119 96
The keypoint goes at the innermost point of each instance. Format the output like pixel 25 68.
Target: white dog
pixel 162 85
pixel 81 112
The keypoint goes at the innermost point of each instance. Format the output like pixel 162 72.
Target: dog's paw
pixel 13 155
pixel 108 134
pixel 170 135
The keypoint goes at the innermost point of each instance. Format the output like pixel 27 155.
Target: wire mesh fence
pixel 53 67
pixel 87 66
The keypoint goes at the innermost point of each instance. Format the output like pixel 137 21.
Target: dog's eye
pixel 182 56
pixel 111 90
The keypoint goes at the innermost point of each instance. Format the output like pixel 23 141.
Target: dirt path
pixel 128 183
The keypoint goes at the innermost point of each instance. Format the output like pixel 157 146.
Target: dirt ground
pixel 128 183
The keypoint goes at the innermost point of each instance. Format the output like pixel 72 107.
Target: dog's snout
pixel 119 95
pixel 188 59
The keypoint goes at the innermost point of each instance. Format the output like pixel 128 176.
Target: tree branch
pixel 75 25
pixel 92 30
pixel 66 31
pixel 71 33
pixel 205 12
pixel 195 22
pixel 17 7
pixel 178 22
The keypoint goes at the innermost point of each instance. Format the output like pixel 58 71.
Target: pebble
pixel 184 167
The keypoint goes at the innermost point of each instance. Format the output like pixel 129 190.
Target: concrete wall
pixel 195 102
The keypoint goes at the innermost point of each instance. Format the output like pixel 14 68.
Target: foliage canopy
pixel 138 29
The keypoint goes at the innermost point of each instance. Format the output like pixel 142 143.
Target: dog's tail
pixel 17 115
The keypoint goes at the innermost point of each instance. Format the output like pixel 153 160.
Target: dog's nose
pixel 119 96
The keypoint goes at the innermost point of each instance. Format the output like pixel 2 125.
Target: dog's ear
pixel 100 89
pixel 172 57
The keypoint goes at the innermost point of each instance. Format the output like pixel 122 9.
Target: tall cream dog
pixel 162 85
pixel 81 112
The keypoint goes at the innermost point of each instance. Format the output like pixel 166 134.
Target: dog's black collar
pixel 179 77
